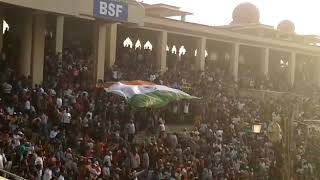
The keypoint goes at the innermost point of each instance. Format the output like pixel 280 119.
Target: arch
pixel 147 45
pixel 284 63
pixel 127 42
pixel 5 25
pixel 174 49
pixel 182 50
pixel 137 44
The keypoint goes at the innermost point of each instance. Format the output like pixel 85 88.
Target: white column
pixel 95 37
pixel 201 53
pixel 101 51
pixel 111 44
pixel 183 18
pixel 26 45
pixel 292 67
pixel 38 45
pixel 235 51
pixel 265 60
pixel 162 51
pixel 317 72
pixel 59 34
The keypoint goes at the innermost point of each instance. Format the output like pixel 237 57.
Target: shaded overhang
pixel 164 10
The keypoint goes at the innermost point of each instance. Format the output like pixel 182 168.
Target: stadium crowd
pixel 70 128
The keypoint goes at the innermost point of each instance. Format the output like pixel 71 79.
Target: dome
pixel 246 13
pixel 286 26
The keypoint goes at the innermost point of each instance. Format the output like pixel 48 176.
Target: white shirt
pixel 7 88
pixel 135 161
pixel 95 172
pixel 30 149
pixel 186 108
pixel 3 160
pixel 131 128
pixel 66 117
pixel 116 74
pixel 90 115
pixel 85 122
pixel 61 177
pixel 162 127
pixel 59 102
pixel 10 110
pixel 44 119
pixel 203 127
pixel 47 175
pixel 175 109
pixel 106 172
pixel 16 140
pixel 152 77
pixel 107 159
pixel 39 161
pixel 53 134
pixel 27 105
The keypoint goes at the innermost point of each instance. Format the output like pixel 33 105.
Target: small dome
pixel 246 13
pixel 286 26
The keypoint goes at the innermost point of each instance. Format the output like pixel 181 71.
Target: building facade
pixel 245 42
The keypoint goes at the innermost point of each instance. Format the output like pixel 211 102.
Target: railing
pixel 11 175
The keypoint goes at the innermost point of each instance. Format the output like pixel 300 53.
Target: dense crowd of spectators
pixel 69 128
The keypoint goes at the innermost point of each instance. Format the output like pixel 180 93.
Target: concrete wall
pixel 67 7
pixel 136 12
pixel 81 8
pixel 86 8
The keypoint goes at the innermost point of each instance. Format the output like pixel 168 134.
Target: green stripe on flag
pixel 157 99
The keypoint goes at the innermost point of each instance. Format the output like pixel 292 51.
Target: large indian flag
pixel 147 94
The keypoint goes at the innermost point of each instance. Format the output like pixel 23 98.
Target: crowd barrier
pixel 9 175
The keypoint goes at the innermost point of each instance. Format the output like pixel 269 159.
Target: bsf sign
pixel 116 10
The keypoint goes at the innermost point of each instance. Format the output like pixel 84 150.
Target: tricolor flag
pixel 146 94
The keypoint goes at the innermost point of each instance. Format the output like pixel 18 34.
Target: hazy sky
pixel 304 13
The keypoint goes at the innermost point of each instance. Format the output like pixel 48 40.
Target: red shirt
pixel 101 149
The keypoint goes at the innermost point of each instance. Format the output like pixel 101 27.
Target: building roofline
pixel 203 30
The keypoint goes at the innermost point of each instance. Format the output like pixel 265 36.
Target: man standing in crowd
pixel 131 131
